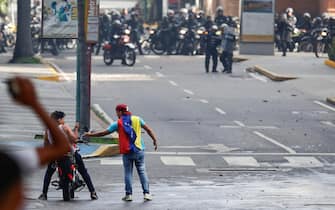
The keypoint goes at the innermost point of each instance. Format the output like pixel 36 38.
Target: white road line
pixel 295 112
pixel 328 123
pixel 242 161
pixel 302 162
pixel 177 161
pixel 275 142
pixel 324 105
pixel 173 83
pixel 229 126
pixel 204 101
pixel 258 77
pixel 188 92
pixel 239 123
pixel 147 67
pixel 110 161
pixel 263 127
pixel 243 154
pixel 159 74
pixel 220 111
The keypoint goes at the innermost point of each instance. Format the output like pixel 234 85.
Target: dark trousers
pixel 214 54
pixel 284 46
pixel 80 167
pixel 227 61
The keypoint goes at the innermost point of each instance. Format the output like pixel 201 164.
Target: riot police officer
pixel 287 26
pixel 135 30
pixel 227 45
pixel 220 18
pixel 306 24
pixel 212 42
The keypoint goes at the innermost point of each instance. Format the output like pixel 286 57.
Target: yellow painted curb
pixel 55 75
pixel 330 63
pixel 105 151
pixel 273 76
pixel 239 59
pixel 331 100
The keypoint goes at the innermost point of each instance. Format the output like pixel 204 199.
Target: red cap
pixel 122 107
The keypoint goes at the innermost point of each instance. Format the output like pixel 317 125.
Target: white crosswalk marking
pixel 302 162
pixel 108 161
pixel 242 161
pixel 177 161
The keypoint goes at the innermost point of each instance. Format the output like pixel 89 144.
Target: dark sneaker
pixel 127 198
pixel 94 196
pixel 43 197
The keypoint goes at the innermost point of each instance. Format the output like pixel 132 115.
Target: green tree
pixel 23 51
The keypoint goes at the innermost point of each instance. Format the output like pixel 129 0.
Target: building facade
pixel 315 7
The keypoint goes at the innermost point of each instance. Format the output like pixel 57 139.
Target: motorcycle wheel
pixel 157 48
pixel 66 190
pixel 10 41
pixel 108 59
pixel 305 47
pixel 145 45
pixel 129 56
pixel 70 44
pixel 319 49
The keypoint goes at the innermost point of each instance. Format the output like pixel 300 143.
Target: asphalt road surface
pixel 235 141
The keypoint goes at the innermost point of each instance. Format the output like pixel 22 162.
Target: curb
pixel 54 69
pixel 330 63
pixel 238 59
pixel 271 75
pixel 331 100
pixel 103 150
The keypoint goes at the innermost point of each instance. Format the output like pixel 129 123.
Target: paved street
pixel 237 141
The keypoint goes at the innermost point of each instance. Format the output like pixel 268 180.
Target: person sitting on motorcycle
pixel 72 137
pixel 201 18
pixel 209 23
pixel 220 18
pixel 306 24
pixel 135 34
pixel 325 19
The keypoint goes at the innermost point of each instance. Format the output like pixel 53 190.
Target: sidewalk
pixel 18 125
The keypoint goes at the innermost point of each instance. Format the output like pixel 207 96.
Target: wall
pixel 327 6
pixel 299 6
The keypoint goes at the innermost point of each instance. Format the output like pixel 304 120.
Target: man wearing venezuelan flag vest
pixel 131 147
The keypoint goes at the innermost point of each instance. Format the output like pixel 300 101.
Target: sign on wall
pixel 60 19
pixel 257 21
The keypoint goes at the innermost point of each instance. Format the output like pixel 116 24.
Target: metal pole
pixel 85 82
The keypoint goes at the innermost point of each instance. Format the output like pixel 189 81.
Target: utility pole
pixel 84 98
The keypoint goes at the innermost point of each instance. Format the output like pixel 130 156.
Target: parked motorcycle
pixel 120 48
pixel 321 42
